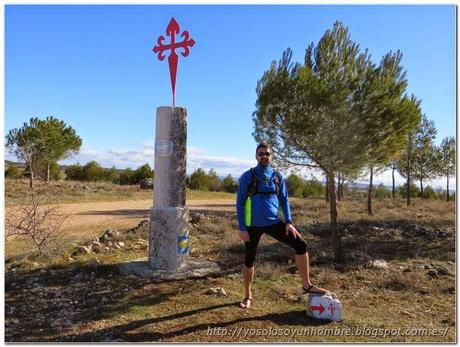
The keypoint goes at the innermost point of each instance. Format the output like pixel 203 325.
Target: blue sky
pixel 93 67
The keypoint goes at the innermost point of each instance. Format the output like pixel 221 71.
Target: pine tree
pixel 316 114
pixel 447 159
pixel 60 141
pixel 424 158
pixel 411 108
pixel 27 143
pixel 384 101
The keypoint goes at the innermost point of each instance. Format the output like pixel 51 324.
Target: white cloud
pixel 122 158
pixel 118 157
pixel 222 165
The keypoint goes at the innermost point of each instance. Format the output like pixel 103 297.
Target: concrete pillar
pixel 169 237
pixel 170 157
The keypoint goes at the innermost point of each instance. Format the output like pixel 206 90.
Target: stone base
pixel 169 238
pixel 194 268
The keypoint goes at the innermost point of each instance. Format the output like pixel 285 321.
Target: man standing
pixel 261 190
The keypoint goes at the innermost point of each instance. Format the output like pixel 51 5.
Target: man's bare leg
pixel 303 266
pixel 248 276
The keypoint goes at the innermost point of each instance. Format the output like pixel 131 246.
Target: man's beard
pixel 264 163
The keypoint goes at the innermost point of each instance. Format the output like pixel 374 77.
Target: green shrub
pixel 93 172
pixel 13 172
pixel 199 180
pixel 295 185
pixel 142 172
pixel 382 192
pixel 229 184
pixel 430 193
pixel 111 175
pixel 42 169
pixel 74 172
pixel 442 194
pixel 301 188
pixel 414 190
pixel 127 176
pixel 313 188
pixel 215 184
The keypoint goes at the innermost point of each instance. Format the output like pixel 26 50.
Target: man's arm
pixel 241 200
pixel 284 199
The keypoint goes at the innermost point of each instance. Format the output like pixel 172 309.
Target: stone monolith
pixel 169 235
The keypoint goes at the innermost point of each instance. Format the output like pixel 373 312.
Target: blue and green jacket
pixel 262 209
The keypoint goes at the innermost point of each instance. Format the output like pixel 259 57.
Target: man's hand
pixel 244 236
pixel 290 229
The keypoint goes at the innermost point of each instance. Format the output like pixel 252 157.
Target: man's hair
pixel 263 145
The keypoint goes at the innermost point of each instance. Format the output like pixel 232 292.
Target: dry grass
pixel 402 296
pixel 316 210
pixel 76 191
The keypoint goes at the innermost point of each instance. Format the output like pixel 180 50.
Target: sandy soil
pixel 90 218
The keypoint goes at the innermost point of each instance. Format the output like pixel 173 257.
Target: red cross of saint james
pixel 171 30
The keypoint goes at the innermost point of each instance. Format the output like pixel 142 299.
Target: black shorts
pixel 278 232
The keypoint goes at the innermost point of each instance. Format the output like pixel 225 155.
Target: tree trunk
pixel 448 187
pixel 408 180
pixel 338 188
pixel 421 187
pixel 341 187
pixel 408 189
pixel 31 177
pixel 48 172
pixel 327 189
pixel 336 240
pixel 369 193
pixel 393 177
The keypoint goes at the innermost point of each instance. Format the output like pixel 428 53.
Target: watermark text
pixel 362 330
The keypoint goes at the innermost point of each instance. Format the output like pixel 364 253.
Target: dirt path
pixel 91 218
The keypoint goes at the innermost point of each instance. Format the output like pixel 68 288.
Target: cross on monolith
pixel 171 30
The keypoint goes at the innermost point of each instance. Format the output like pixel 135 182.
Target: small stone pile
pixel 141 230
pixel 112 239
pixel 196 217
pixel 438 271
pixel 218 291
pixel 418 230
pixel 146 183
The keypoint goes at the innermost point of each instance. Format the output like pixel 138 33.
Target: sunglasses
pixel 264 154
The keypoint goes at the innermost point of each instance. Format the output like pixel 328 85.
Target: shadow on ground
pixel 133 213
pixel 48 301
pixel 123 331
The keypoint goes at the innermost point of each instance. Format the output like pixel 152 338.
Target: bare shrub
pixel 267 270
pixel 412 281
pixel 37 217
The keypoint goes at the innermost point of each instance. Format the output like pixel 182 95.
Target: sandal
pixel 246 303
pixel 308 291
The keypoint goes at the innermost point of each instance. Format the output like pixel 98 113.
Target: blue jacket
pixel 264 208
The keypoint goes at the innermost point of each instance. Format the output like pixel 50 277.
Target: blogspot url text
pixel 363 330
